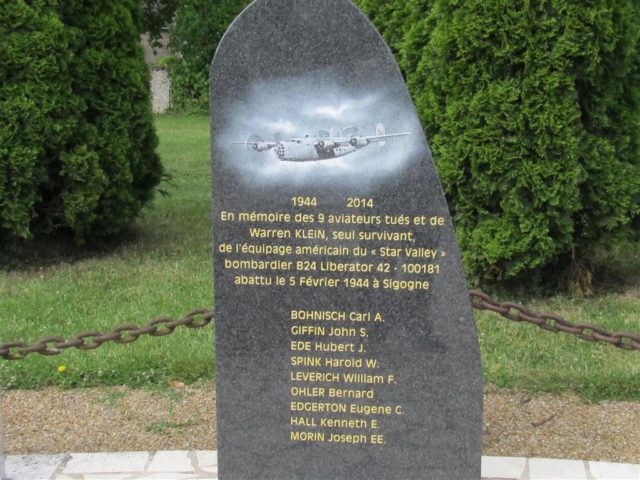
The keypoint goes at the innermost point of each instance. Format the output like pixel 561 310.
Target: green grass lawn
pixel 163 267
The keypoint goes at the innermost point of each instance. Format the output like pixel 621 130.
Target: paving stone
pixel 207 460
pixel 614 471
pixel 130 465
pixel 118 462
pixel 105 476
pixel 553 469
pixel 174 461
pixel 32 467
pixel 210 470
pixel 503 467
pixel 172 476
pixel 498 478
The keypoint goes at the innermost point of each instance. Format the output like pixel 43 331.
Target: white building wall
pixel 160 89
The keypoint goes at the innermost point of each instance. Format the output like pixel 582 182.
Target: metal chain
pixel 554 323
pixel 158 327
pixel 202 317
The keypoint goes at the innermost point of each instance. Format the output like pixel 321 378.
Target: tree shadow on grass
pixel 62 248
pixel 616 268
pixel 609 269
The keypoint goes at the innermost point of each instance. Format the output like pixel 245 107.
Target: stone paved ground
pixel 204 465
pixel 183 418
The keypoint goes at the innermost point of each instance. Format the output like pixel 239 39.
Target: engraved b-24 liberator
pixel 325 146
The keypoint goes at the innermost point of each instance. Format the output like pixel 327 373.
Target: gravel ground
pixel 183 418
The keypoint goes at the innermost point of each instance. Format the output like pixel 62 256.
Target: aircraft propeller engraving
pixel 325 146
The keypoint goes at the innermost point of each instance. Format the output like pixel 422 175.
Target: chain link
pixel 202 317
pixel 554 323
pixel 91 340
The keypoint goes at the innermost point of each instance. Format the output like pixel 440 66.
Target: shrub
pixel 197 29
pixel 532 110
pixel 36 111
pixel 76 136
pixel 393 18
pixel 112 79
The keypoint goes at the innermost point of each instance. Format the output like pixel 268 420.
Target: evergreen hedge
pixel 533 112
pixel 393 18
pixel 77 145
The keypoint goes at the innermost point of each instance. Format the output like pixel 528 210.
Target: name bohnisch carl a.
pixel 335 316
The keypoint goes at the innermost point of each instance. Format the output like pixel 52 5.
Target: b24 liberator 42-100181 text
pixel 325 146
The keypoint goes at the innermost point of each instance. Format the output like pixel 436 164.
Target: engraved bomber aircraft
pixel 327 145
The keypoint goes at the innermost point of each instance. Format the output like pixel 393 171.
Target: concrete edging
pixel 203 464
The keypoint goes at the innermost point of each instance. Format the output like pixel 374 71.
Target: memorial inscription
pixel 345 342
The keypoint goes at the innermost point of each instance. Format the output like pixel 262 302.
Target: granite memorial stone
pixel 345 341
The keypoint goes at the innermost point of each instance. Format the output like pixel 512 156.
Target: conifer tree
pixel 77 145
pixel 533 112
